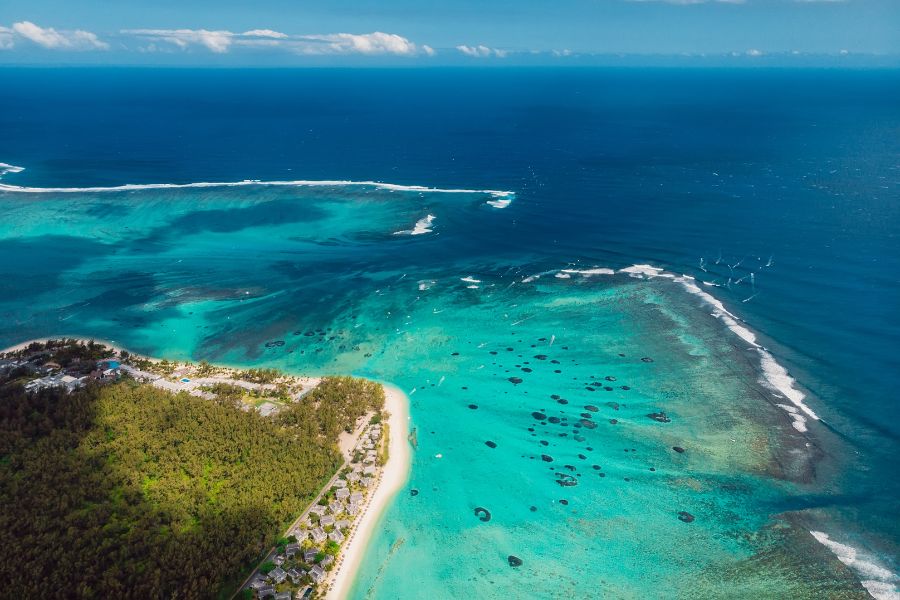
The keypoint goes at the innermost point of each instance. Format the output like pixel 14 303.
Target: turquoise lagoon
pixel 558 361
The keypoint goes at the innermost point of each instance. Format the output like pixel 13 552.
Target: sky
pixel 448 32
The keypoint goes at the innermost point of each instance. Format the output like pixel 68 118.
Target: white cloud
pixel 481 51
pixel 754 52
pixel 221 42
pixel 215 41
pixel 6 38
pixel 265 33
pixel 52 39
pixel 690 2
pixel 367 43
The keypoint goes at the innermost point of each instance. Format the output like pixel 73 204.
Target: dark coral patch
pixel 515 380
pixel 646 359
pixel 541 356
pixel 660 417
pixel 473 406
pixel 591 408
pixel 414 492
pixel 685 516
pixel 514 561
pixel 546 458
pixel 678 449
pixel 483 514
pixel 539 415
pixel 490 444
pixel 566 480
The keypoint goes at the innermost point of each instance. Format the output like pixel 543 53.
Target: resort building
pixel 317 574
pixel 278 575
pixel 51 381
pixel 318 535
pixel 291 549
pixel 294 575
pixel 266 592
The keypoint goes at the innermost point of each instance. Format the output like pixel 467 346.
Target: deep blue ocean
pixel 779 188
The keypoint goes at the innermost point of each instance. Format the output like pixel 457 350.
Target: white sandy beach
pixel 393 477
pixel 107 343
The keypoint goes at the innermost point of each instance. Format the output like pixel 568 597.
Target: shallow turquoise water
pixel 216 273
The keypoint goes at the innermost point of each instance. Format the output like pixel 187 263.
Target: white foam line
pixel 775 376
pixel 7 168
pixel 878 581
pixel 423 225
pixel 470 279
pixel 501 203
pixel 501 198
pixel 588 272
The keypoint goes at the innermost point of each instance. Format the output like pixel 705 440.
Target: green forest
pixel 128 491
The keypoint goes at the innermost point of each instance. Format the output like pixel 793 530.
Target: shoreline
pixel 395 475
pixel 109 344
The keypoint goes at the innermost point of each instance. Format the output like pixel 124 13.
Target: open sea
pixel 669 299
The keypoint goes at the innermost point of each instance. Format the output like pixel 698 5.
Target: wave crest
pixel 499 198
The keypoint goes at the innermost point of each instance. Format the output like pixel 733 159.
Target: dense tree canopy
pixel 128 491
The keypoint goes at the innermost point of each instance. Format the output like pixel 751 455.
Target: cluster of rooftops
pixel 52 375
pixel 304 563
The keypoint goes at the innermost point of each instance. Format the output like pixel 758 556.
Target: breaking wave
pixel 499 198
